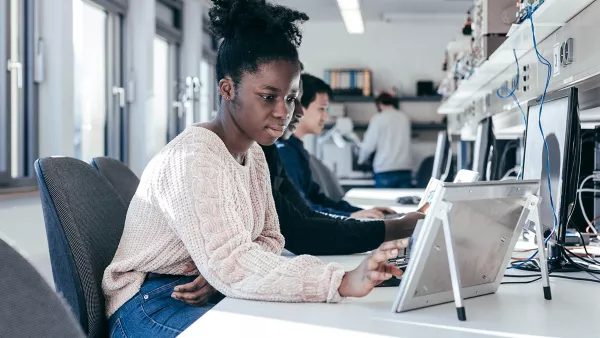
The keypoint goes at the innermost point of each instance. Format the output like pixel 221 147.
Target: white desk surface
pixel 381 197
pixel 514 311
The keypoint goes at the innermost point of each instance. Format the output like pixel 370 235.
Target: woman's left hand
pixel 195 293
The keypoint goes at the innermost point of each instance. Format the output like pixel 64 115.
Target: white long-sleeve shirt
pixel 389 137
pixel 196 203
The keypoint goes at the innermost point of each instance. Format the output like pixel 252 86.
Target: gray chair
pixel 119 175
pixel 329 183
pixel 84 217
pixel 29 306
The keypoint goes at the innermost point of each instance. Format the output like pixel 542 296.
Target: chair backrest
pixel 119 175
pixel 84 217
pixel 29 306
pixel 424 172
pixel 326 178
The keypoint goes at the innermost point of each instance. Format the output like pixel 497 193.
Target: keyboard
pixel 409 200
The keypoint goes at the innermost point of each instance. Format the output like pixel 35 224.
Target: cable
pixel 584 246
pixel 512 94
pixel 576 278
pixel 525 282
pixel 542 60
pixel 579 194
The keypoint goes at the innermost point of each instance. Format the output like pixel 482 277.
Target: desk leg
pixel 454 273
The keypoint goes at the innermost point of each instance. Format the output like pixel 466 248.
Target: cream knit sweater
pixel 196 203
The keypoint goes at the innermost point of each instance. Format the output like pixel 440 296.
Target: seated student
pixel 389 137
pixel 206 196
pixel 296 160
pixel 306 231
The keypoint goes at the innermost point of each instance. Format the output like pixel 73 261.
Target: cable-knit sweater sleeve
pixel 214 217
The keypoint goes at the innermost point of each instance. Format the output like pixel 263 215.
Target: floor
pixel 22 225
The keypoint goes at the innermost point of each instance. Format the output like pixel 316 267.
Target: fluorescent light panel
pixel 350 10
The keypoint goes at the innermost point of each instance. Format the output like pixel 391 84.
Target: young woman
pixel 206 197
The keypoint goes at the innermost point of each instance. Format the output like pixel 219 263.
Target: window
pixel 206 97
pixel 18 114
pixel 166 63
pixel 99 95
pixel 160 117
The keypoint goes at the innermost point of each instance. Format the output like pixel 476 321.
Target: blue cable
pixel 512 94
pixel 542 60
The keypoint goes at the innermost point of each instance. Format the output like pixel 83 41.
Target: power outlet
pixel 557 61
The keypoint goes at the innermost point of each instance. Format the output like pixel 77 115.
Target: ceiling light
pixel 350 11
pixel 348 4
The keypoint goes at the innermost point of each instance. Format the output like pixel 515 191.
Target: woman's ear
pixel 227 89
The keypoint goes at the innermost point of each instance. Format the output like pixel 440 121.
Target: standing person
pixel 389 137
pixel 206 196
pixel 296 160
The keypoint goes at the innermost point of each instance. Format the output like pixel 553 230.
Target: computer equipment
pixel 464 156
pixel 442 152
pixel 561 125
pixel 409 200
pixel 480 253
pixel 483 148
pixel 461 176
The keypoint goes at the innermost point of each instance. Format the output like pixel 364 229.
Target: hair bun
pixel 231 18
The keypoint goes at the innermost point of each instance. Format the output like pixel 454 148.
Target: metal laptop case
pixel 485 221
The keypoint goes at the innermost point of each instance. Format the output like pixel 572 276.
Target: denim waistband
pixel 154 284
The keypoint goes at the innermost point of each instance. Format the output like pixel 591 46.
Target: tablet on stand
pixel 464 245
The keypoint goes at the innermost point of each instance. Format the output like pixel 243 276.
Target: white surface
pixel 357 182
pixel 381 197
pixel 547 19
pixel 514 311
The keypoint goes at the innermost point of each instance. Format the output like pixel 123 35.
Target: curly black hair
pixel 254 32
pixel 311 86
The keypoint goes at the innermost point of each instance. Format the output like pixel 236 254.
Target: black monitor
pixel 561 125
pixel 442 151
pixel 483 148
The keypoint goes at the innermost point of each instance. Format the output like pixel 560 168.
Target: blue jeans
pixel 153 313
pixel 394 179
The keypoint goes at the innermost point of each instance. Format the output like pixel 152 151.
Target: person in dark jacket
pixel 296 160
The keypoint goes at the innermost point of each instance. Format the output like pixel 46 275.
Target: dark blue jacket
pixel 296 162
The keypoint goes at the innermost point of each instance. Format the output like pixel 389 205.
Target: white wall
pixel 399 54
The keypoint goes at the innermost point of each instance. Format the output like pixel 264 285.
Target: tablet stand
pixel 532 205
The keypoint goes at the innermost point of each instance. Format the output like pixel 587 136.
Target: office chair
pixel 119 175
pixel 29 306
pixel 84 217
pixel 329 183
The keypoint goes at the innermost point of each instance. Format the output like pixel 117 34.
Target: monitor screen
pixel 482 148
pixel 441 155
pixel 556 120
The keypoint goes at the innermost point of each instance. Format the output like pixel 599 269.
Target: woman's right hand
pixel 373 270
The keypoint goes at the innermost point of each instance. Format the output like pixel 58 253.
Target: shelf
pixel 435 98
pixel 371 99
pixel 414 126
pixel 548 18
pixel 349 99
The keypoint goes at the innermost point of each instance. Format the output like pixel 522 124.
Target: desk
pixel 514 311
pixel 380 197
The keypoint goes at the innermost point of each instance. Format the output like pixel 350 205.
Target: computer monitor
pixel 442 151
pixel 483 148
pixel 562 129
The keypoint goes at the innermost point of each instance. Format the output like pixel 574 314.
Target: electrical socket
pixel 557 59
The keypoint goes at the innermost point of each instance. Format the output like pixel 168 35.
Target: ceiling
pixel 374 10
